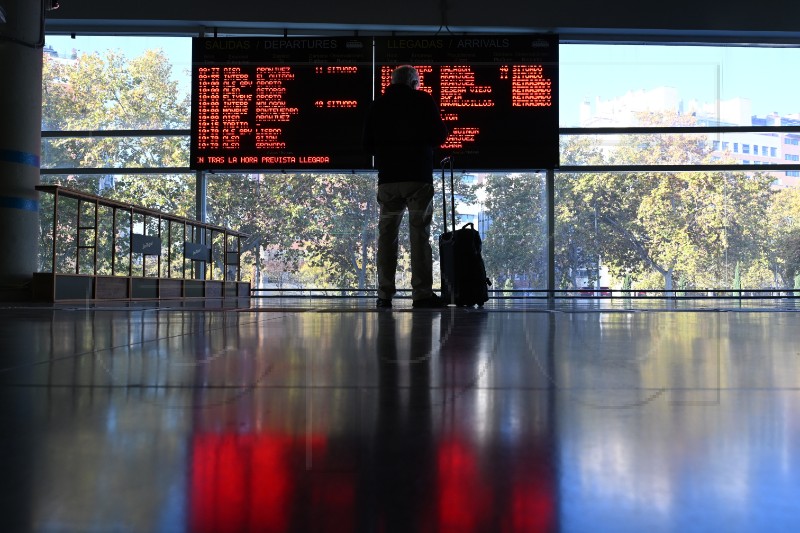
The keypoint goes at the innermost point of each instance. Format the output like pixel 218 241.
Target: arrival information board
pixel 300 103
pixel 498 95
pixel 280 103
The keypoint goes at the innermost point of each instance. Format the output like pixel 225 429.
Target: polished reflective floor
pixel 330 416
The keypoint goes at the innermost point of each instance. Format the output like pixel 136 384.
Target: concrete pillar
pixel 20 141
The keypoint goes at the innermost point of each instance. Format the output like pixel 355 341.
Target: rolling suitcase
pixel 464 281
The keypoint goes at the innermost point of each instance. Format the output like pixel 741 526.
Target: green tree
pixel 515 241
pixel 577 225
pixel 338 232
pixel 674 223
pixel 784 224
pixel 112 92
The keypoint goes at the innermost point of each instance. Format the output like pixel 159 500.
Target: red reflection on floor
pixel 245 482
pixel 333 503
pixel 532 507
pixel 261 482
pixel 464 500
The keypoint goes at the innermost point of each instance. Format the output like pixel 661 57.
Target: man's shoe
pixel 433 302
pixel 385 303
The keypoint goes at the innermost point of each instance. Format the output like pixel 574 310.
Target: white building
pixel 755 149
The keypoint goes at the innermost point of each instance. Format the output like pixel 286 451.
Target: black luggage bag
pixel 464 281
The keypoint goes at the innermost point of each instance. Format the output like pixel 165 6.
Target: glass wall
pixel 647 228
pixel 620 221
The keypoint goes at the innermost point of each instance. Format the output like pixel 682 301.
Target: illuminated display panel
pixel 497 94
pixel 280 103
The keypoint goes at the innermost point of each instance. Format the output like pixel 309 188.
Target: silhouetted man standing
pixel 402 130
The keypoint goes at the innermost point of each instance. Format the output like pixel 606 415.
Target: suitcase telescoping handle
pixel 448 161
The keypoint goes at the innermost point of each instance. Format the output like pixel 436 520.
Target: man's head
pixel 406 75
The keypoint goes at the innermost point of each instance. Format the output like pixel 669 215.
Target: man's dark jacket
pixel 402 129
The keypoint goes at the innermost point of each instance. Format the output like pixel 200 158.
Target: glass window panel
pixel 704 85
pixel 318 231
pixel 306 231
pixel 670 149
pixel 67 247
pixel 511 211
pixel 113 82
pixel 45 262
pixel 116 152
pixel 672 231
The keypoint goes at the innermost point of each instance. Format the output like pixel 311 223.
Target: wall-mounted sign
pixel 145 244
pixel 197 252
pixel 300 102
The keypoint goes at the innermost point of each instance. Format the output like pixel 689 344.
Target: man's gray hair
pixel 407 75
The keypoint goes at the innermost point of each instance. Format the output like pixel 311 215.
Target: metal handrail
pixel 193 226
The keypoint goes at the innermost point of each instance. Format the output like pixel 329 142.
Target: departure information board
pixel 280 103
pixel 297 103
pixel 498 95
